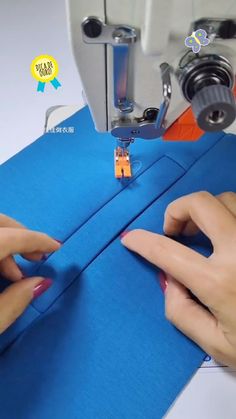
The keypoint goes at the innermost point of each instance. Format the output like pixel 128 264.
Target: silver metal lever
pixel 119 37
pixel 123 37
pixel 144 128
pixel 166 85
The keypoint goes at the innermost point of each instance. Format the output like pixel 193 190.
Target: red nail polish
pixel 163 281
pixel 123 234
pixel 42 287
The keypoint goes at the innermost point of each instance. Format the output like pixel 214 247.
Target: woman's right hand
pixel 212 280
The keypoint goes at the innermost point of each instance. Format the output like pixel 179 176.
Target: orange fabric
pixel 184 128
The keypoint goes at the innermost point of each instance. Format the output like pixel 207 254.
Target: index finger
pixel 17 240
pixel 179 261
pixel 205 210
pixel 6 221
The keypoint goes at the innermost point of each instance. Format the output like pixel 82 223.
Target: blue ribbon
pixel 41 86
pixel 55 83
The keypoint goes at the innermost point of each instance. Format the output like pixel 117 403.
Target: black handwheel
pixel 214 107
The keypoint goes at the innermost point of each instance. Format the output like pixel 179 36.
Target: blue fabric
pixel 97 345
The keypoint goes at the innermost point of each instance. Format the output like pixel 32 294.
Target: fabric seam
pixel 131 220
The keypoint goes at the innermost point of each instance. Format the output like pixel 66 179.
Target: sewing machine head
pixel 144 62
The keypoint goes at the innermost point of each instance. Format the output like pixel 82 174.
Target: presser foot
pixel 122 163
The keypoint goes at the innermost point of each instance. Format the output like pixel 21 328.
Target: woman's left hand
pixel 31 245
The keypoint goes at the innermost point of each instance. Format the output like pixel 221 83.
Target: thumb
pixel 191 318
pixel 15 298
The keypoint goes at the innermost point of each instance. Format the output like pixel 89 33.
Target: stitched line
pixel 114 238
pixel 201 155
pixel 130 183
pixel 176 162
pixel 131 220
pixel 111 199
pixel 100 208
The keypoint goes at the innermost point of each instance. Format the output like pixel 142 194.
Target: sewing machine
pixel 146 71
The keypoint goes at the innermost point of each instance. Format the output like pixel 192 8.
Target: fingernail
pixel 22 274
pixel 123 234
pixel 42 287
pixel 58 241
pixel 163 281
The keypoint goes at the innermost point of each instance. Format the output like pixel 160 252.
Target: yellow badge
pixel 44 69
